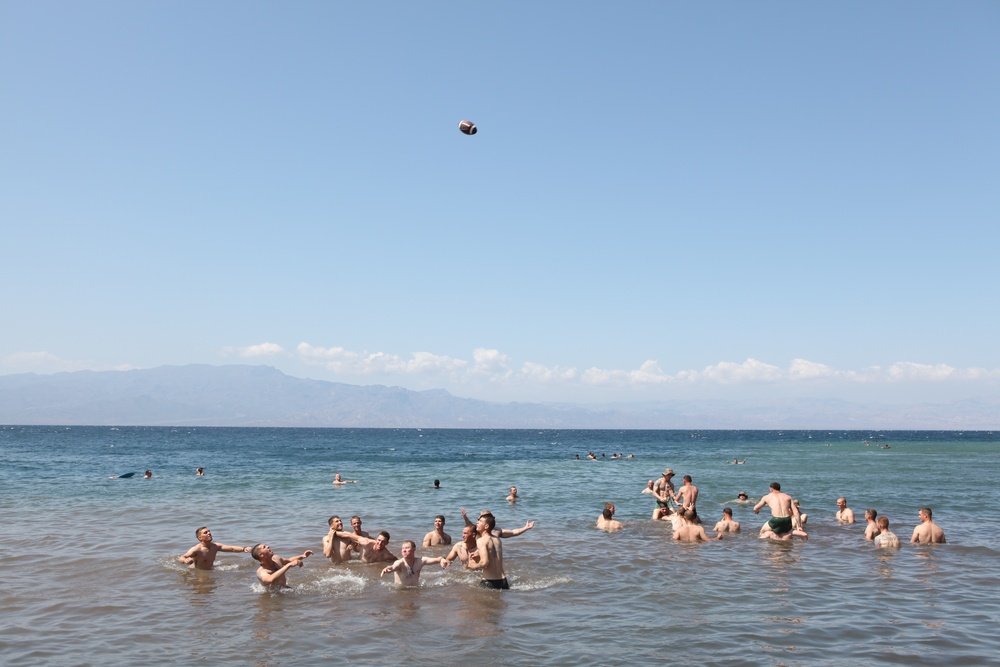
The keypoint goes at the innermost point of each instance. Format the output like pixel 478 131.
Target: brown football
pixel 467 127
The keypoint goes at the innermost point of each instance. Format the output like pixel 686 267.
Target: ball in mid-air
pixel 467 127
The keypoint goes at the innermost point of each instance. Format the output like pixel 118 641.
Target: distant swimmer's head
pixel 742 495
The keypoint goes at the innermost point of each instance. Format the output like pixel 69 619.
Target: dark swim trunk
pixel 495 583
pixel 780 524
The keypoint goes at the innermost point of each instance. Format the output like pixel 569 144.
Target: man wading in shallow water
pixel 489 554
pixel 783 509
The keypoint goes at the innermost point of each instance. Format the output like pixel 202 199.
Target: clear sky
pixel 664 200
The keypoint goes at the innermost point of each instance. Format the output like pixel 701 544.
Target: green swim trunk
pixel 780 524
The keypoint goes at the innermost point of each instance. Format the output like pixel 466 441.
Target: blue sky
pixel 664 200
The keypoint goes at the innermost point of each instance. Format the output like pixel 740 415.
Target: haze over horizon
pixel 663 201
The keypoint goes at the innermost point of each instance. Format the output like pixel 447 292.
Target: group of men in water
pixel 480 549
pixel 679 506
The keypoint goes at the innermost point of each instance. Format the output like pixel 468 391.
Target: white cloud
pixel 255 351
pixel 340 360
pixel 496 368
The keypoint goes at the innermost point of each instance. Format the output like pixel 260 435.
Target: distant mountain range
pixel 202 395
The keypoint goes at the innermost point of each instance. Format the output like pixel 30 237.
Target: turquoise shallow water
pixel 91 576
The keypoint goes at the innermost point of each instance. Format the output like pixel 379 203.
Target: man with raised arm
pixel 335 546
pixel 202 555
pixel 407 568
pixel 497 532
pixel 273 567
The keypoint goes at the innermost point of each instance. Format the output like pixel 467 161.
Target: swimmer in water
pixel 338 480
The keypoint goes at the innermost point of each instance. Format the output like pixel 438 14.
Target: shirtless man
pixel 466 548
pixel 663 488
pixel 687 498
pixel 202 555
pixel 372 551
pixel 497 532
pixel 437 536
pixel 782 511
pixel 512 498
pixel 606 520
pixel 871 529
pixel 489 556
pixel 927 532
pixel 727 525
pixel 844 513
pixel 339 481
pixel 407 569
pixel 273 568
pixel 688 531
pixel 335 546
pixel 649 487
pixel 885 539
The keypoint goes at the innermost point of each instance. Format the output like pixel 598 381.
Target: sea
pixel 90 572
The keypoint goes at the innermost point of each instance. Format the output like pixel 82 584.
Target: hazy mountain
pixel 201 395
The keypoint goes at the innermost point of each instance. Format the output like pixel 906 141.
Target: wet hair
pixel 333 518
pixel 776 486
pixel 197 533
pixel 728 512
pixel 440 516
pixel 609 506
pixel 385 535
pixel 687 478
pixel 606 514
pixel 437 482
pixel 928 510
pixel 491 521
pixel 871 513
pixel 255 552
